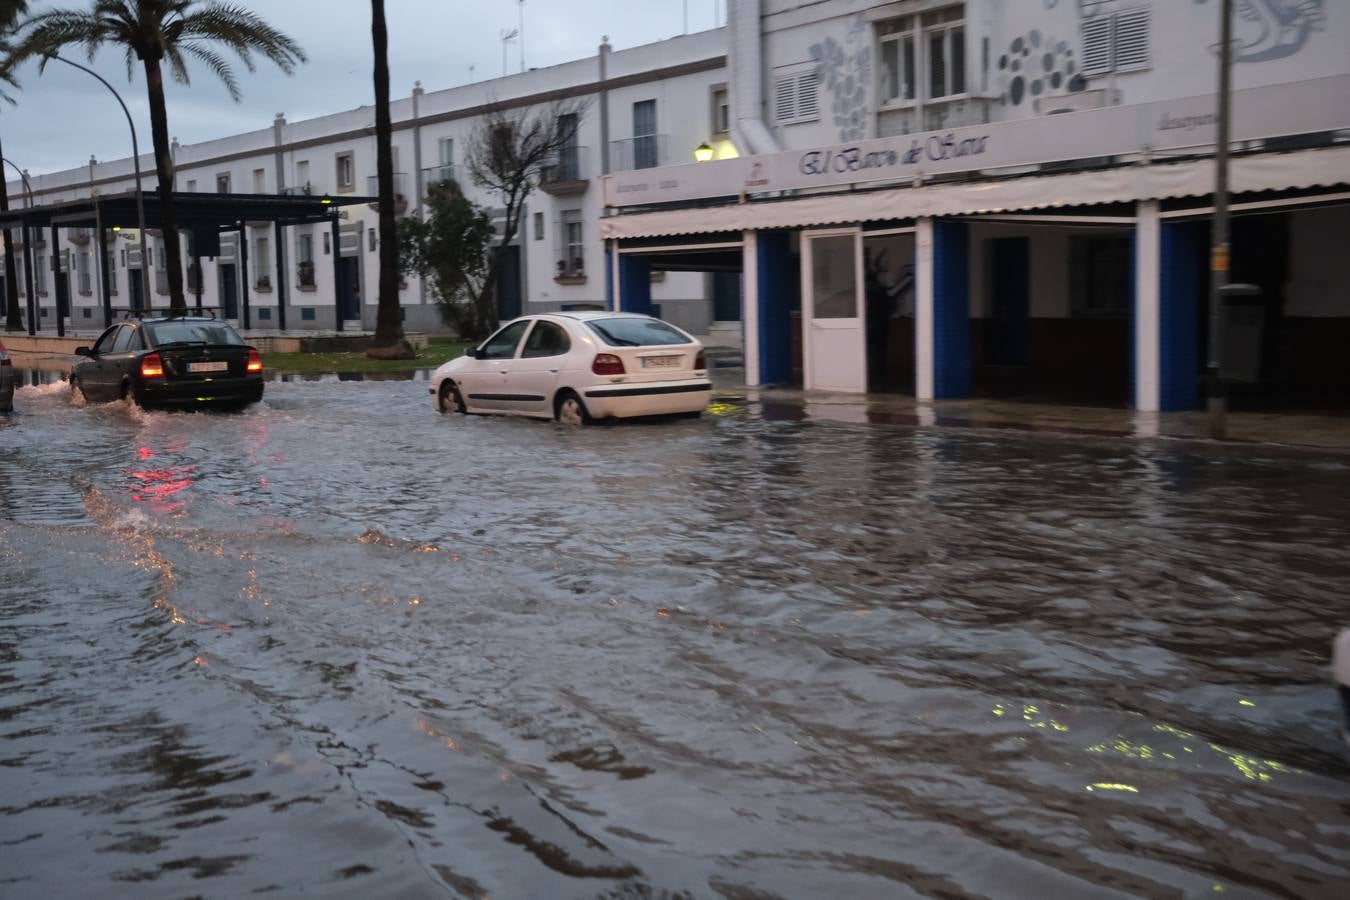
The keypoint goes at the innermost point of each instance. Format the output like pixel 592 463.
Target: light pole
pixel 507 37
pixel 1216 400
pixel 136 163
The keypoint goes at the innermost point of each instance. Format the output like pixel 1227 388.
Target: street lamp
pixel 703 152
pixel 27 245
pixel 1216 397
pixel 136 163
pixel 507 37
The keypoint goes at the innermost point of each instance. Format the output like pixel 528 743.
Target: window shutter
pixel 1132 40
pixel 784 100
pixel 807 104
pixel 1097 33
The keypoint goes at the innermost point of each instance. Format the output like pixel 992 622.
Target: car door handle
pixel 503 371
pixel 553 371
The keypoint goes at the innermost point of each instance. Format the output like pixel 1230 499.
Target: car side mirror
pixel 477 353
pixel 83 351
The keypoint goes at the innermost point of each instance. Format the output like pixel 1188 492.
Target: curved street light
pixel 136 163
pixel 27 232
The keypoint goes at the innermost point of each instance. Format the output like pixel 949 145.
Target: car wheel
pixel 569 410
pixel 449 399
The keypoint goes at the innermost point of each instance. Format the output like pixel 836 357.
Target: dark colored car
pixel 170 361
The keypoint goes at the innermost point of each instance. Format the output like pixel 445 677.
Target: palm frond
pixel 216 63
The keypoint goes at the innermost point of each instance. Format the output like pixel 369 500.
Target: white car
pixel 578 367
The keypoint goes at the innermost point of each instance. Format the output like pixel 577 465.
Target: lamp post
pixel 1216 399
pixel 507 37
pixel 136 163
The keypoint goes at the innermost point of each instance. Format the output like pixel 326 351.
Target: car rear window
pixel 194 333
pixel 624 332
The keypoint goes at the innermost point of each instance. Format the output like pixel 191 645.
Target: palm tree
pixel 10 11
pixel 389 341
pixel 158 33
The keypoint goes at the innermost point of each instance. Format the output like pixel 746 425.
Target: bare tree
pixel 506 152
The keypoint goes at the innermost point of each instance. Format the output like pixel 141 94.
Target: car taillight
pixel 152 366
pixel 607 364
pixel 254 361
pixel 700 361
pixel 4 356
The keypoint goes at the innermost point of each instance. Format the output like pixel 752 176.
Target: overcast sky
pixel 64 116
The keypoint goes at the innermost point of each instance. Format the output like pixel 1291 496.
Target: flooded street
pixel 339 645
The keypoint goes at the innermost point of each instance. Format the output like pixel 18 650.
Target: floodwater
pixel 339 645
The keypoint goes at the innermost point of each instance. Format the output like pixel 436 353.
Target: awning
pixel 1303 169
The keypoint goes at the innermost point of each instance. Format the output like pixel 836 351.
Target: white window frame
pixel 796 94
pixel 222 180
pixel 1139 17
pixel 920 28
pixel 721 103
pixel 261 263
pixel 445 148
pixel 348 157
pixel 259 181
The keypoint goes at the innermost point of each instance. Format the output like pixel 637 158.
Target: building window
pixel 223 183
pixel 446 151
pixel 1116 42
pixel 1100 275
pixel 307 314
pixel 262 264
pixel 899 61
pixel 346 172
pixel 304 255
pixel 85 278
pixel 645 145
pixel 112 271
pixel 192 187
pixel 538 226
pixel 259 181
pixel 302 177
pixel 40 273
pixel 264 313
pixel 721 111
pixel 795 95
pixel 569 159
pixel 572 257
pixel 944 41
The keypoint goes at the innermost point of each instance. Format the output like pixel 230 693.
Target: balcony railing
pixel 305 190
pixel 438 174
pixel 400 191
pixel 646 152
pixel 564 173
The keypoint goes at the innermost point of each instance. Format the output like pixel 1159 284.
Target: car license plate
pixel 209 367
pixel 662 362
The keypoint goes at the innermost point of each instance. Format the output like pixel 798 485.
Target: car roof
pixel 584 316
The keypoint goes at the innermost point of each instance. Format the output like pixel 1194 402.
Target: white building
pixel 1013 197
pixel 647 106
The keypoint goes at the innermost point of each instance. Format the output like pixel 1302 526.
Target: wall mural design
pixel 1274 29
pixel 1034 65
pixel 846 72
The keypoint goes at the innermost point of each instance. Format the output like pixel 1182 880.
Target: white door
pixel 834 313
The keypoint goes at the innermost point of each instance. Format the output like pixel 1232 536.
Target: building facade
pixel 1013 198
pixel 644 107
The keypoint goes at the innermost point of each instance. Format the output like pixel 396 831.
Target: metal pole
pixel 105 268
pixel 56 280
pixel 243 274
pixel 1216 399
pixel 24 230
pixel 28 278
pixel 338 291
pixel 281 275
pixel 522 35
pixel 136 163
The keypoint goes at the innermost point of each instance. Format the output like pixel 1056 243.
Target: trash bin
pixel 1243 333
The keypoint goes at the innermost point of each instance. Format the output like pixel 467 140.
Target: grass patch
pixel 441 350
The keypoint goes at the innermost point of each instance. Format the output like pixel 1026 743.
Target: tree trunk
pixel 485 306
pixel 13 316
pixel 389 342
pixel 168 225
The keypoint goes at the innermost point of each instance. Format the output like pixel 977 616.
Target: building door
pixel 349 299
pixel 508 285
pixel 63 294
pixel 137 286
pixel 1010 290
pixel 834 309
pixel 726 291
pixel 229 291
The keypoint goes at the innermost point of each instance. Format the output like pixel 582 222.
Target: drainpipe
pixel 604 105
pixel 278 136
pixel 745 51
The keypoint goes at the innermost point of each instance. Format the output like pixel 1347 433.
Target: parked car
pixel 577 368
pixel 1340 670
pixel 6 381
pixel 170 361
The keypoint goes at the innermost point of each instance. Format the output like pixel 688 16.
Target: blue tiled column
pixel 635 284
pixel 1183 288
pixel 951 310
pixel 774 303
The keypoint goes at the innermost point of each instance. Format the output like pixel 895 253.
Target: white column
pixel 615 302
pixel 923 310
pixel 1147 308
pixel 750 307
